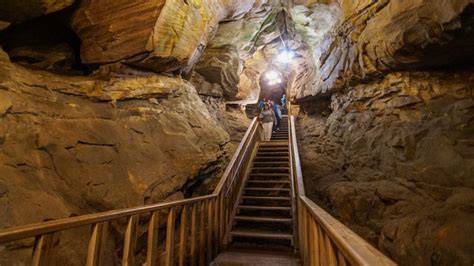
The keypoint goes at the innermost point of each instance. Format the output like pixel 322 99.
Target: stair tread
pixel 270 174
pixel 263 219
pixel 266 189
pixel 264 208
pixel 265 198
pixel 266 168
pixel 269 181
pixel 262 234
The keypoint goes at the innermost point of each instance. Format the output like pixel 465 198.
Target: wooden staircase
pixel 264 217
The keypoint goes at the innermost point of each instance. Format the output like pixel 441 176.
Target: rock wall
pixel 395 161
pixel 388 118
pixel 77 145
pixel 353 41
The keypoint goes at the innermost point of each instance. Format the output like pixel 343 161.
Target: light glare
pixel 285 56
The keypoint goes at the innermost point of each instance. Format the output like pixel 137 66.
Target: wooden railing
pixel 321 239
pixel 185 232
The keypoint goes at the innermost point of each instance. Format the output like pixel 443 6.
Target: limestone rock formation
pixel 370 37
pixel 394 159
pixel 15 11
pixel 74 145
pixel 155 34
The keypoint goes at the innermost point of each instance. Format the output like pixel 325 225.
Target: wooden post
pixel 192 256
pixel 152 248
pixel 128 258
pixel 170 238
pixel 183 236
pixel 42 251
pixel 95 252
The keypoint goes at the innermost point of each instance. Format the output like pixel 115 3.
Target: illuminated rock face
pixel 371 37
pixel 161 35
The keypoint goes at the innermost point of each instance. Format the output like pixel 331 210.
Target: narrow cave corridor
pixel 136 132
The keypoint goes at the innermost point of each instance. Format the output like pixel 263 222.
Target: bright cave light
pixel 273 77
pixel 285 56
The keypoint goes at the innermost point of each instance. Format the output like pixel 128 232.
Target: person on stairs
pixel 261 104
pixel 267 118
pixel 283 104
pixel 276 110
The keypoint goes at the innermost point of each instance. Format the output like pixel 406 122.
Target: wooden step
pixel 265 198
pixel 263 208
pixel 268 181
pixel 282 163
pixel 263 219
pixel 266 189
pixel 270 174
pixel 273 158
pixel 261 234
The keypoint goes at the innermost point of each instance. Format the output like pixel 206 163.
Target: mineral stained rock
pixel 162 35
pixel 19 10
pixel 395 161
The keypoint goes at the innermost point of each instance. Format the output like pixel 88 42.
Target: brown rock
pixel 155 34
pixel 15 11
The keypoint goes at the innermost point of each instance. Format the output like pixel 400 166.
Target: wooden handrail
pixel 323 240
pixel 32 230
pixel 236 156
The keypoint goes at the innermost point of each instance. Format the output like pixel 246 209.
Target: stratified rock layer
pixel 162 35
pixel 395 160
pixel 371 37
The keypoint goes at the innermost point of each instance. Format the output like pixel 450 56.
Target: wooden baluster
pixel 332 259
pixel 42 251
pixel 322 247
pixel 222 221
pixel 216 226
pixel 310 234
pixel 130 241
pixel 192 256
pixel 305 237
pixel 152 248
pixel 170 238
pixel 202 240
pixel 341 260
pixel 183 236
pixel 95 252
pixel 209 231
pixel 315 247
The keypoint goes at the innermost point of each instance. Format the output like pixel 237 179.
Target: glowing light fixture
pixel 285 56
pixel 273 77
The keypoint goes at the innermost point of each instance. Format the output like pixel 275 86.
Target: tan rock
pixel 156 34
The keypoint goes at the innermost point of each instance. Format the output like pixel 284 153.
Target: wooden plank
pixel 202 235
pixel 332 259
pixel 152 248
pixel 315 247
pixel 192 256
pixel 209 246
pixel 170 238
pixel 182 237
pixel 95 251
pixel 42 250
pixel 130 242
pixel 341 261
pixel 216 227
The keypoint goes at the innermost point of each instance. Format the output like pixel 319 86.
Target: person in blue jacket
pixel 261 104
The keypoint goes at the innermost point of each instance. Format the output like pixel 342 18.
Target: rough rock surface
pixel 161 35
pixel 15 11
pixel 370 37
pixel 395 161
pixel 76 145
